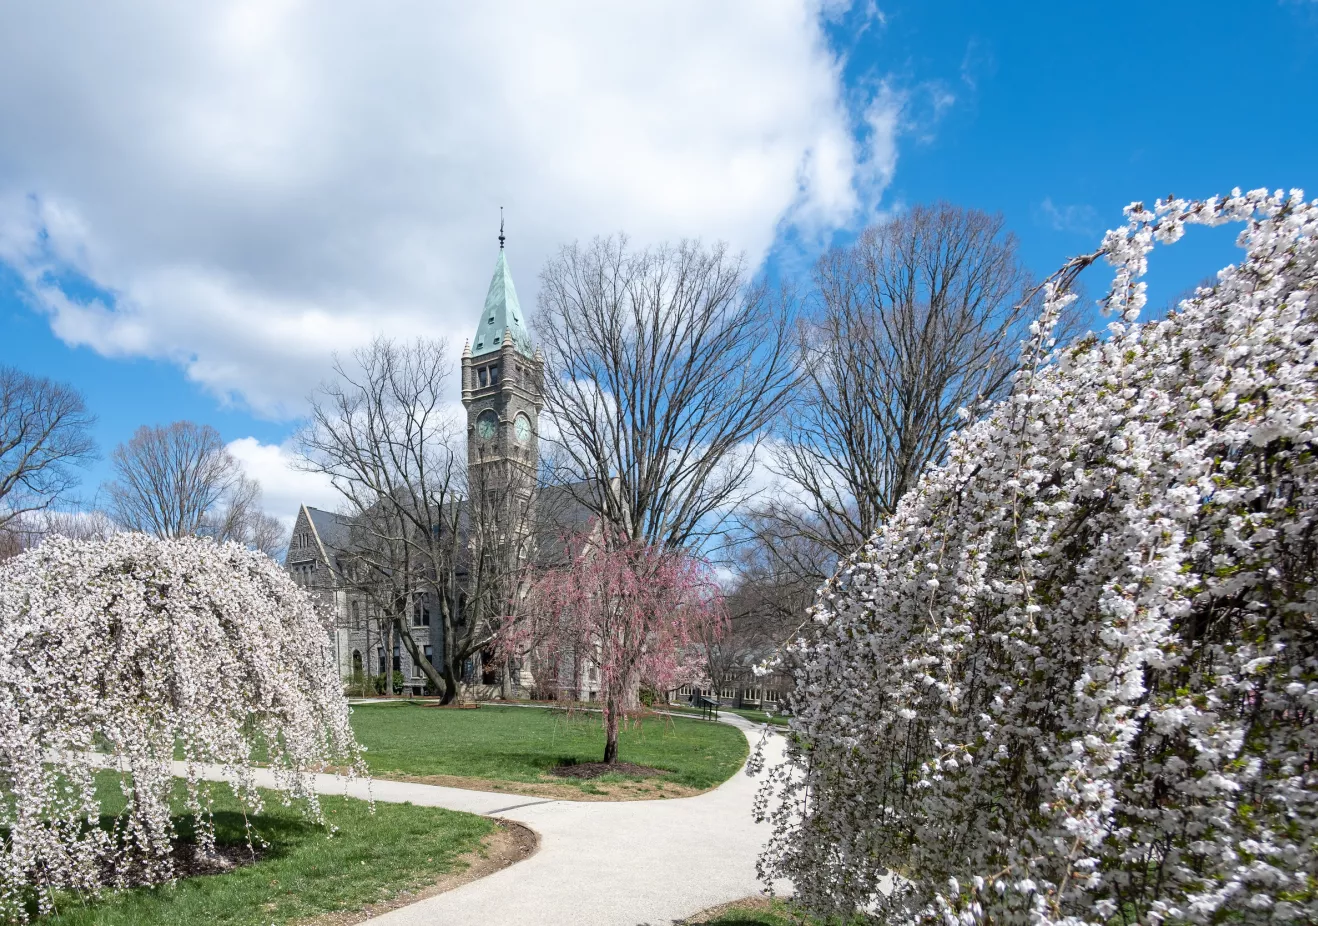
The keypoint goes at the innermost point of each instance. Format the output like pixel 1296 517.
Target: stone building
pixel 501 392
pixel 501 387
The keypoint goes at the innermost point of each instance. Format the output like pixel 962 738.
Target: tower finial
pixel 501 228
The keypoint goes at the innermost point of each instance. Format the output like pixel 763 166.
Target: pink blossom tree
pixel 636 612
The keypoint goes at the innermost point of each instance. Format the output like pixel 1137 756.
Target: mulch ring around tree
pixel 588 770
pixel 189 861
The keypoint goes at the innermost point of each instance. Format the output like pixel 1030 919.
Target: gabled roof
pixel 564 518
pixel 503 313
pixel 331 530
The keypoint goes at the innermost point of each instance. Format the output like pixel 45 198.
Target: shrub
pixel 377 682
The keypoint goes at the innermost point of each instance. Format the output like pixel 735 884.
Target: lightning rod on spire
pixel 501 228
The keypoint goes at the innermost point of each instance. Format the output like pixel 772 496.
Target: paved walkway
pixel 627 863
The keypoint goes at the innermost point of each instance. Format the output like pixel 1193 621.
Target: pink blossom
pixel 632 611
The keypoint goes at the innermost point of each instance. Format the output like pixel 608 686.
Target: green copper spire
pixel 502 313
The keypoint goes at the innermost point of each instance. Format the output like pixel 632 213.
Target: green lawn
pixel 760 912
pixel 774 917
pixel 305 870
pixel 777 720
pixel 521 744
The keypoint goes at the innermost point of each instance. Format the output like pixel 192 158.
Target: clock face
pixel 523 428
pixel 487 424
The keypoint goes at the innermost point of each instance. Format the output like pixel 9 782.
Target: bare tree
pixel 268 534
pixel 663 368
pixel 44 438
pixel 29 530
pixel 240 518
pixel 916 320
pixel 87 524
pixel 179 480
pixel 383 431
pixel 766 607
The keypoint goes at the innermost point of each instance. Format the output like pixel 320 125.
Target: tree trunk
pixel 438 682
pixel 455 650
pixel 610 731
pixel 450 684
pixel 631 699
pixel 368 662
pixel 389 662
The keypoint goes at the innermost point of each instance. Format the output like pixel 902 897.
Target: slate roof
pixel 562 515
pixel 331 528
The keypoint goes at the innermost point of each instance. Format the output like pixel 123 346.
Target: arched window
pixel 356 662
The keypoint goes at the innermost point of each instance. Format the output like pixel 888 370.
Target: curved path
pixel 626 863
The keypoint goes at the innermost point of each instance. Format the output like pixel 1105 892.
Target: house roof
pixel 331 528
pixel 502 315
pixel 563 516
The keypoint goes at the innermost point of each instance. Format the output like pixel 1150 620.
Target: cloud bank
pixel 244 188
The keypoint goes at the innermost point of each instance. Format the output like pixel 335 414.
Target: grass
pixel 521 744
pixel 777 720
pixel 759 911
pixel 304 871
pixel 775 915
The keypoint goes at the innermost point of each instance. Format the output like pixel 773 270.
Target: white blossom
pixel 1123 638
pixel 137 647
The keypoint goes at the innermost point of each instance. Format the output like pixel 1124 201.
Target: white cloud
pixel 1076 219
pixel 244 188
pixel 284 487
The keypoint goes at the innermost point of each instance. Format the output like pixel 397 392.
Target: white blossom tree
pixel 1074 678
pixel 137 647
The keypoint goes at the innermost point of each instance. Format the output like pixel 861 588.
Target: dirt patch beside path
pixel 757 904
pixel 653 790
pixel 509 843
pixel 589 770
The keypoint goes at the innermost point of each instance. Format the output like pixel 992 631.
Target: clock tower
pixel 501 389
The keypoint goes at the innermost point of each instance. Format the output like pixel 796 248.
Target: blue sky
pixel 196 210
pixel 1064 113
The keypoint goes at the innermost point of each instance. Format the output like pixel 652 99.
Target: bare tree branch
pixel 918 319
pixel 44 438
pixel 664 367
pixel 383 430
pixel 179 480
